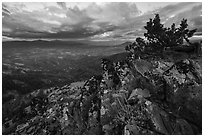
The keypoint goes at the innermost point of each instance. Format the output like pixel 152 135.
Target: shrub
pixel 159 37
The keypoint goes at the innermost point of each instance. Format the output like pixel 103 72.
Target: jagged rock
pixel 142 66
pixel 139 92
pixel 145 100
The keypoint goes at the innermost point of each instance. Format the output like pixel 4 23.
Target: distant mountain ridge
pixel 59 43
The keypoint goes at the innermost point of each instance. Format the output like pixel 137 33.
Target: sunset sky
pixel 91 21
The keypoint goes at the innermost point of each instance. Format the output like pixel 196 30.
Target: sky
pixel 92 21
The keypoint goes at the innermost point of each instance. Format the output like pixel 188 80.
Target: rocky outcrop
pixel 137 97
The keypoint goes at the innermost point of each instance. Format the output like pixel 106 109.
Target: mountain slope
pixel 123 100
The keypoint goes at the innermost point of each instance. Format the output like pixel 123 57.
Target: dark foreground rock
pixel 131 98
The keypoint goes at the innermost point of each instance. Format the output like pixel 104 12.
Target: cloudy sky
pixel 91 21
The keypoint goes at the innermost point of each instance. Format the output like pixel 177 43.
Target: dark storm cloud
pixel 46 23
pixel 62 5
pixel 5 11
pixel 109 20
pixel 176 7
pixel 62 22
pixel 190 11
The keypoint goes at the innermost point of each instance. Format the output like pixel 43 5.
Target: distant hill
pixel 43 43
pixel 125 43
pixel 61 43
